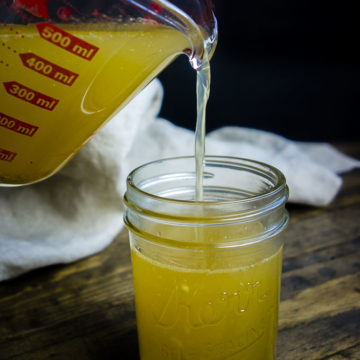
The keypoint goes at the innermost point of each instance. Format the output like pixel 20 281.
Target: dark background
pixel 290 67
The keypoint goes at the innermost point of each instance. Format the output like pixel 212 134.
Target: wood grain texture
pixel 85 310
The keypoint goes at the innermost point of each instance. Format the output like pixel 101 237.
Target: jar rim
pixel 280 184
pixel 139 198
pixel 167 211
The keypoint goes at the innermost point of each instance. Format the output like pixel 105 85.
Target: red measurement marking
pixel 6 155
pixel 96 13
pixel 18 126
pixel 64 13
pixel 36 7
pixel 67 41
pixel 155 7
pixel 20 12
pixel 49 69
pixel 31 96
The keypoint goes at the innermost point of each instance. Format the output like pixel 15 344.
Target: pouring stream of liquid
pixel 202 93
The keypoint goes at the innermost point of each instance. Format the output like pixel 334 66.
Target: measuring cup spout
pixel 196 19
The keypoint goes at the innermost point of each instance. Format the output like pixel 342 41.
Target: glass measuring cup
pixel 67 66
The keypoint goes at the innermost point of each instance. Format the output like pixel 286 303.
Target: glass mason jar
pixel 206 273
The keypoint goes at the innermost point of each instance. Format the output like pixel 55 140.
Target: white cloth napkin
pixel 78 211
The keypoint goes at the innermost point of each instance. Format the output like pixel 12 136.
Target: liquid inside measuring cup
pixel 59 84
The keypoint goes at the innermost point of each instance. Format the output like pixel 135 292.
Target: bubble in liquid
pixel 185 288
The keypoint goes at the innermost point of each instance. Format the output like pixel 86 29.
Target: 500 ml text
pixel 67 41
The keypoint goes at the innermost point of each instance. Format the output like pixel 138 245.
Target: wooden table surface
pixel 85 310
